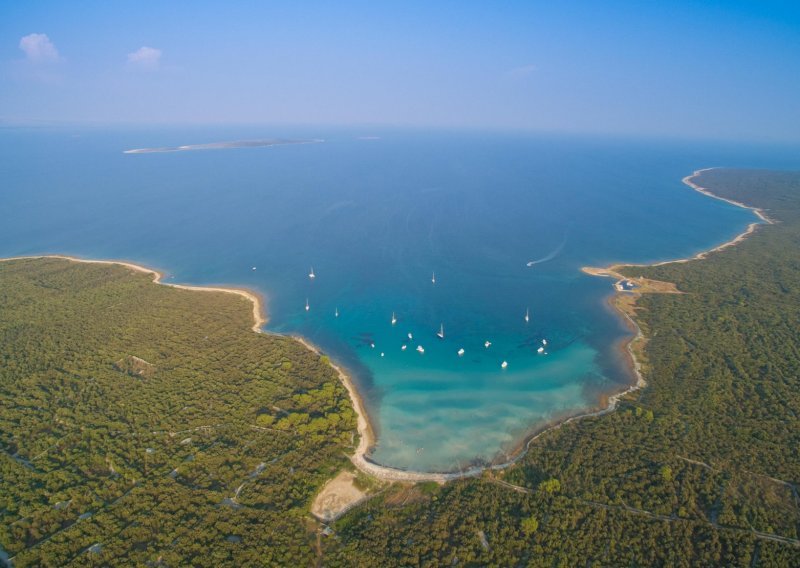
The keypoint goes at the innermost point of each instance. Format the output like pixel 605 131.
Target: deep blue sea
pixel 376 213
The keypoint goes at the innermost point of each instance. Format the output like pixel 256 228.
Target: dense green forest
pixel 145 425
pixel 700 468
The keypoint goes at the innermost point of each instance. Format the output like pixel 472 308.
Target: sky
pixel 717 70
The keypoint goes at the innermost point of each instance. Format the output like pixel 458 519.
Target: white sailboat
pixel 433 278
pixel 544 342
pixel 527 315
pixel 440 333
pixel 403 347
pixel 540 350
pixel 420 349
pixel 487 344
pixel 311 274
pixel 336 312
pixel 394 319
pixel 504 364
pixel 410 337
pixel 461 352
pixel 307 306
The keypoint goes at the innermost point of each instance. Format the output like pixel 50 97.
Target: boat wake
pixel 554 253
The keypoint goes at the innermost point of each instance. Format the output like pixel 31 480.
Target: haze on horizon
pixel 725 70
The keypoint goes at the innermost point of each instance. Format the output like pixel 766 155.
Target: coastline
pixel 364 427
pixel 367 437
pixel 622 302
pixel 626 310
pixel 612 269
pixel 259 315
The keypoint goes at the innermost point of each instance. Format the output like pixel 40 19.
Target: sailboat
pixel 421 349
pixel 487 344
pixel 540 350
pixel 433 278
pixel 527 315
pixel 440 333
pixel 394 319
pixel 307 306
pixel 504 364
pixel 461 352
pixel 336 312
pixel 311 274
pixel 410 337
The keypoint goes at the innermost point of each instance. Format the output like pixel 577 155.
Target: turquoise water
pixel 375 218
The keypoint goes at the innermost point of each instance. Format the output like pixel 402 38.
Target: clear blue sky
pixel 680 68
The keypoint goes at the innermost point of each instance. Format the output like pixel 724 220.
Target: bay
pixel 376 212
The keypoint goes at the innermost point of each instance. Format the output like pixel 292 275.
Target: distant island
pixel 223 145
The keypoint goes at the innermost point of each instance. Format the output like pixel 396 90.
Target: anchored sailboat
pixel 461 352
pixel 504 364
pixel 420 349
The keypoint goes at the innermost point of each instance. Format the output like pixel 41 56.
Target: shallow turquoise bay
pixel 375 218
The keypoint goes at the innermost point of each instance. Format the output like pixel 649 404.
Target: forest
pixel 146 425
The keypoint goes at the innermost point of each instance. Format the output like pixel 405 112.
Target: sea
pixel 503 221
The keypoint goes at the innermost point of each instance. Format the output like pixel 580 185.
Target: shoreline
pixel 365 429
pixel 627 346
pixel 612 271
pixel 259 314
